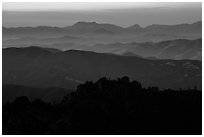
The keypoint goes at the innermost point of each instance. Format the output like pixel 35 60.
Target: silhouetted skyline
pixel 122 14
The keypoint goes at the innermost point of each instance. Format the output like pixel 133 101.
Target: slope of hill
pixel 41 68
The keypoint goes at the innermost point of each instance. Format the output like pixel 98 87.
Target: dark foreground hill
pixel 108 107
pixel 39 67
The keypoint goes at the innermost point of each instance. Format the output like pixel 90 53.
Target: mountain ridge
pixel 66 69
pixel 169 49
pixel 92 32
pixel 94 23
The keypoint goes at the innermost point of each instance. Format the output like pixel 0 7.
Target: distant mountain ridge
pixel 94 24
pixel 90 27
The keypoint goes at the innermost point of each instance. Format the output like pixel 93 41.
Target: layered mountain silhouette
pixel 181 41
pixel 110 31
pixel 194 28
pixel 34 40
pixel 42 67
pixel 172 49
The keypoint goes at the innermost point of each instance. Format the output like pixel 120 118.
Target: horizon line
pixel 94 22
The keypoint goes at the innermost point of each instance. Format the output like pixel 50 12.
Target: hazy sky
pixel 122 14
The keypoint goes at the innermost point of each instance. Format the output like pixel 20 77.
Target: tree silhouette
pixel 108 107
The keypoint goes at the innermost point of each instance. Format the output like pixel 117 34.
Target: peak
pixel 85 23
pixel 136 26
pixel 80 53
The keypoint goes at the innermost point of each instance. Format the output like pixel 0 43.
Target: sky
pixel 62 14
